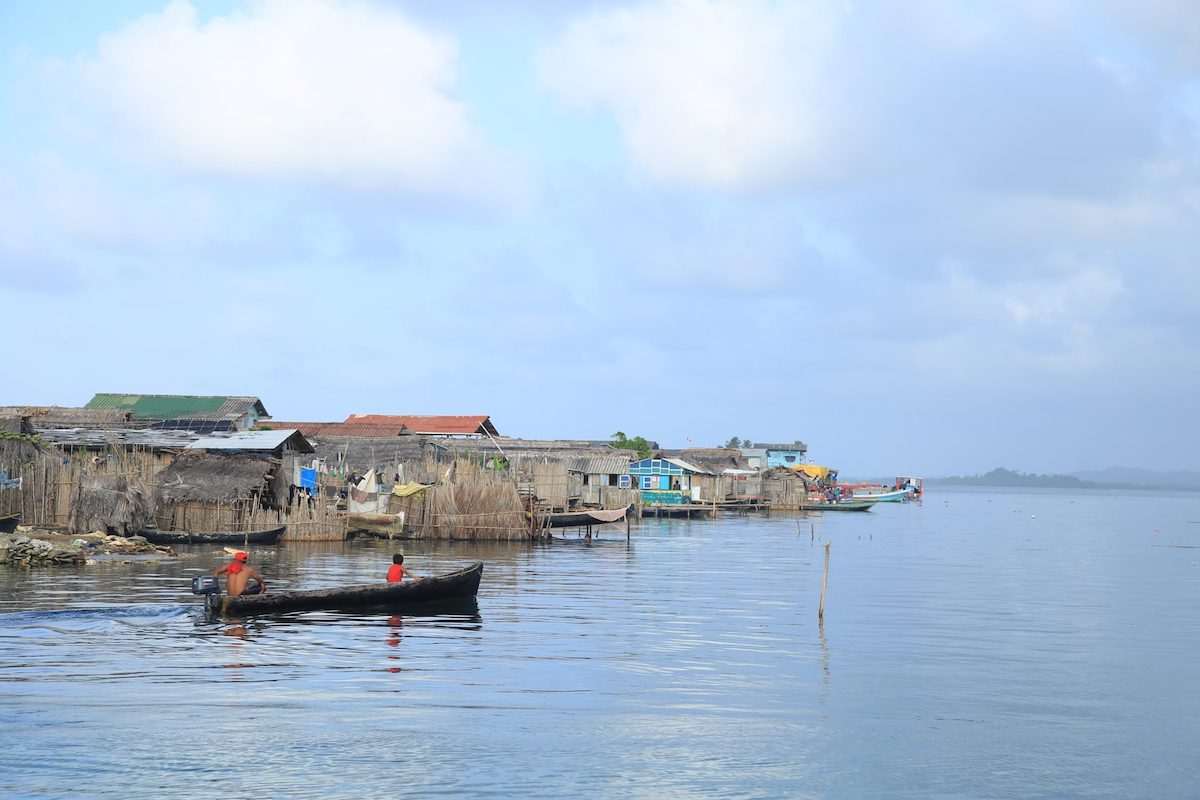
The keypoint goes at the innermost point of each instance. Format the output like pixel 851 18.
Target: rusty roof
pixel 431 424
pixel 339 428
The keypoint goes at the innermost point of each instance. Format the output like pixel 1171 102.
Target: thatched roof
pixel 212 477
pixel 103 502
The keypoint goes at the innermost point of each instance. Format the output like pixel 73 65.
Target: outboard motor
pixel 210 587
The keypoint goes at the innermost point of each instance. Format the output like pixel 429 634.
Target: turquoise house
pixel 667 481
pixel 784 455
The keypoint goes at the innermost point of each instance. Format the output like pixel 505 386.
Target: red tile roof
pixel 460 426
pixel 338 428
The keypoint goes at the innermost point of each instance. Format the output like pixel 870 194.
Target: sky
pixel 924 238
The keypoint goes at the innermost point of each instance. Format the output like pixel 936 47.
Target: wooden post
pixel 824 583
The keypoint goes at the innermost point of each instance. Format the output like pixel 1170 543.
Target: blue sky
pixel 924 238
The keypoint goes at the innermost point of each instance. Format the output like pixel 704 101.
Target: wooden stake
pixel 824 583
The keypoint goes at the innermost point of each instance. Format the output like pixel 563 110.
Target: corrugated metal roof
pixel 177 406
pixel 262 441
pixel 149 438
pixel 340 428
pixel 679 462
pixel 587 463
pixel 601 465
pixel 799 447
pixel 430 424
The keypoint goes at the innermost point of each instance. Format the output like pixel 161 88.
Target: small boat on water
pixel 270 536
pixel 844 505
pixel 584 518
pixel 459 584
pixel 895 496
pixel 9 523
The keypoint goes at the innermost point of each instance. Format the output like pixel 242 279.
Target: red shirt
pixel 396 573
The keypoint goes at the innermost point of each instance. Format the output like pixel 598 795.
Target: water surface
pixel 979 644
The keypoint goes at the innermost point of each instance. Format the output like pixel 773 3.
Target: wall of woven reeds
pixel 319 521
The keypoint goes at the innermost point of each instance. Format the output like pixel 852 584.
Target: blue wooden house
pixel 784 455
pixel 669 481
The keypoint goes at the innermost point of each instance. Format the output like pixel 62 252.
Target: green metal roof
pixel 172 406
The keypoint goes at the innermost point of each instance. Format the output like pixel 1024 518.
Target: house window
pixel 613 480
pixel 585 479
pixel 624 481
pixel 789 459
pixel 646 481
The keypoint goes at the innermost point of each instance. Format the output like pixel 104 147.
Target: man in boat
pixel 397 571
pixel 238 575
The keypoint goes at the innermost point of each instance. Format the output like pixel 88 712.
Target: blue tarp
pixel 308 478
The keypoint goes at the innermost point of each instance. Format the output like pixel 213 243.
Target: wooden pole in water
pixel 824 583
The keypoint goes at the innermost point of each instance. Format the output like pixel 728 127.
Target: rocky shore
pixel 28 547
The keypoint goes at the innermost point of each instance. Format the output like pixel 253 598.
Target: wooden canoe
pixel 582 519
pixel 9 522
pixel 214 537
pixel 462 583
pixel 843 506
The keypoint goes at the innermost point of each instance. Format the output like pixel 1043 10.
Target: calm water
pixel 1002 644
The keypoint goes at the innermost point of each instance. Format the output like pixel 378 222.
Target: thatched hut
pixel 202 491
pixel 115 504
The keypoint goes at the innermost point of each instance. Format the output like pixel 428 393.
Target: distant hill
pixel 1008 477
pixel 1131 476
pixel 1111 478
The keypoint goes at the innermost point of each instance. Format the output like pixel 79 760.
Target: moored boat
pixel 458 584
pixel 584 518
pixel 895 496
pixel 9 522
pixel 844 505
pixel 269 536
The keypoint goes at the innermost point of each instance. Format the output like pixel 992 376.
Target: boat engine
pixel 210 587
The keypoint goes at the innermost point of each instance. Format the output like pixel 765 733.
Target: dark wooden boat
pixel 585 518
pixel 462 583
pixel 214 537
pixel 9 522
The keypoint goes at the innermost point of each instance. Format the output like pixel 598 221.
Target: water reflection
pixel 684 663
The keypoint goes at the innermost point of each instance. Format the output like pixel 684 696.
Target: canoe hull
pixel 460 584
pixel 214 537
pixel 837 506
pixel 898 496
pixel 581 519
pixel 9 523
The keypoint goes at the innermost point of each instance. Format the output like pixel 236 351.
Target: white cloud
pixel 345 93
pixel 708 93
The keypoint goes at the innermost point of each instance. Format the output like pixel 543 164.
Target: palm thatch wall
pixel 111 503
pixel 39 466
pixel 203 491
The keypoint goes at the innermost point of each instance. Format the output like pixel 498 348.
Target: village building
pixel 784 455
pixel 431 425
pixel 196 412
pixel 672 481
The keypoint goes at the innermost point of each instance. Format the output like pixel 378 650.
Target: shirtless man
pixel 237 577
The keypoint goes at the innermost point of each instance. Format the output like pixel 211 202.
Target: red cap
pixel 240 556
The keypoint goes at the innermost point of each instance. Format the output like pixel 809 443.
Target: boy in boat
pixel 397 571
pixel 238 575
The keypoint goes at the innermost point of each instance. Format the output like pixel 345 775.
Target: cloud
pixel 721 95
pixel 343 93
